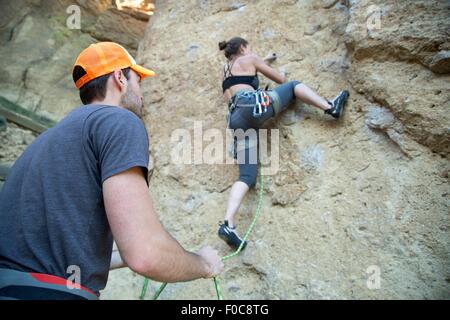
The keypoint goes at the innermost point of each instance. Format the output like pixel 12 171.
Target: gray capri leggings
pixel 242 118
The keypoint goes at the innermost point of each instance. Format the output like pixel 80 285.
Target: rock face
pixel 353 199
pixel 408 49
pixel 38 48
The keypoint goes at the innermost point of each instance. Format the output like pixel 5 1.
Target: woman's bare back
pixel 242 66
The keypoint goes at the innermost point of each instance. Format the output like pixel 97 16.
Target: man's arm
pixel 145 246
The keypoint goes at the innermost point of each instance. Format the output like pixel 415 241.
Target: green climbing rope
pixel 247 233
pixel 161 288
pixel 144 289
pixel 218 291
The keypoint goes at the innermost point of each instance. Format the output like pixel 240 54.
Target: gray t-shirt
pixel 52 214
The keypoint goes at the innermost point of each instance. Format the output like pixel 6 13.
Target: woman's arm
pixel 269 72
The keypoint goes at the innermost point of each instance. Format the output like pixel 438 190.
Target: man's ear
pixel 119 80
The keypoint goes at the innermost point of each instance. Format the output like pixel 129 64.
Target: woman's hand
pixel 271 57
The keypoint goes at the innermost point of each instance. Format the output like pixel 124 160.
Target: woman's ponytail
pixel 222 45
pixel 232 46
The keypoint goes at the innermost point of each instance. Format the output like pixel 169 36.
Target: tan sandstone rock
pixel 368 192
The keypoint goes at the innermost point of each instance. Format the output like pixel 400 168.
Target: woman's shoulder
pixel 251 58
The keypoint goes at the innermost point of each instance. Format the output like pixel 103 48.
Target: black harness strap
pixel 227 70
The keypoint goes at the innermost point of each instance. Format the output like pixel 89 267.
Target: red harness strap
pixel 55 280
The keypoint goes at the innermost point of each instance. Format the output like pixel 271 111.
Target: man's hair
pixel 96 88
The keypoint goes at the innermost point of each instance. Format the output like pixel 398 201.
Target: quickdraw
pixel 262 102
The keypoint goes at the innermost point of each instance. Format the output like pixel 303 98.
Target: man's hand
pixel 212 260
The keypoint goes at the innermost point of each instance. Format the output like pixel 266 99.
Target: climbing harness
pixel 259 100
pixel 229 256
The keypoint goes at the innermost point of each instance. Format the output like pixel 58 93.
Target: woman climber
pixel 249 108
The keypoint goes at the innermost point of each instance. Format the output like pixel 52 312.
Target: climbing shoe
pixel 230 236
pixel 337 104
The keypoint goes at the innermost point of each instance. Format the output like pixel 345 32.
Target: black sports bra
pixel 231 80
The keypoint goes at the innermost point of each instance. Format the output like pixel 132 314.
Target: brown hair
pixel 96 88
pixel 232 46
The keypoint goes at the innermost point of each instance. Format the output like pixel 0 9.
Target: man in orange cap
pixel 83 183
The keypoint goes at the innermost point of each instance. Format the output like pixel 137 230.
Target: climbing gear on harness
pixel 337 104
pixel 229 235
pixel 36 286
pixel 262 102
pixel 231 255
pixel 251 98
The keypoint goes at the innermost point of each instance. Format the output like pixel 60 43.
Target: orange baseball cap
pixel 104 57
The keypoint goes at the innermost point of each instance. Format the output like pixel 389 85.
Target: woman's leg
pixel 248 172
pixel 247 159
pixel 286 93
pixel 238 191
pixel 308 96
